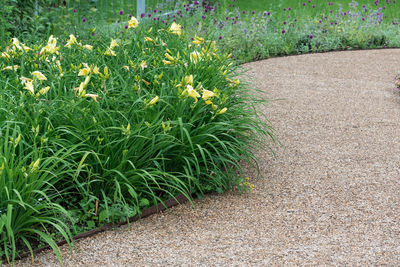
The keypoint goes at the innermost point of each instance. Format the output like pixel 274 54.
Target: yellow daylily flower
pixel 71 41
pixel 29 87
pixel 222 111
pixel 26 48
pixel 166 62
pixel 195 57
pixel 207 94
pixel 39 75
pixel 86 65
pixel 208 102
pixel 96 70
pixel 52 41
pixel 20 46
pixel 85 71
pixel 88 47
pixel 189 79
pixel 110 52
pixel 25 80
pixel 126 68
pixel 176 28
pixel 133 23
pixel 192 92
pixel 14 68
pixel 93 96
pixel 113 43
pixel 51 46
pixel 16 43
pixel 5 55
pixel 143 65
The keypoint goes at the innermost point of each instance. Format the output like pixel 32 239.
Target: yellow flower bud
pixel 221 111
pixel 153 101
pixel 198 40
pixel 194 57
pixel 148 39
pixel 169 57
pixel 88 47
pixel 43 91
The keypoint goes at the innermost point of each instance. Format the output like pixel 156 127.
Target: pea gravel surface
pixel 331 196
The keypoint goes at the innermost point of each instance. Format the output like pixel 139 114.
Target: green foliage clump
pixel 93 131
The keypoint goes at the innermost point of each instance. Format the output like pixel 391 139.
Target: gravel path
pixel 330 197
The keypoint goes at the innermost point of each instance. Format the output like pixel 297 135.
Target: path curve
pixel 331 197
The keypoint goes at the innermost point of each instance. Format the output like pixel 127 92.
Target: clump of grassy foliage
pixel 93 131
pixel 96 126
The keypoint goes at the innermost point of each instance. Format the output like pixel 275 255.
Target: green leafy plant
pixel 106 126
pixel 28 213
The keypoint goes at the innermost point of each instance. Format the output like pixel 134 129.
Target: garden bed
pixel 99 123
pixel 96 131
